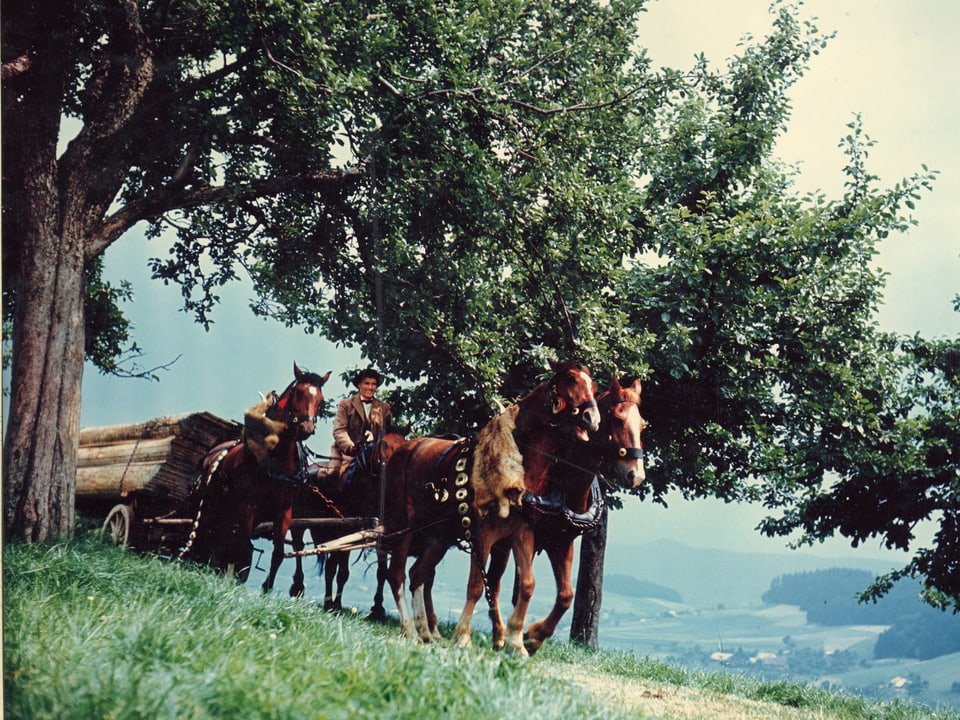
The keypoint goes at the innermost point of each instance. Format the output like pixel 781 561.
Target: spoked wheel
pixel 117 528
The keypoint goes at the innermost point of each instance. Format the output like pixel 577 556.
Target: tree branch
pixel 163 201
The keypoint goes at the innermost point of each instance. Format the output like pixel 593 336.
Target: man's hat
pixel 368 373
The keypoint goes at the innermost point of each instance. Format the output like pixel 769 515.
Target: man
pixel 361 417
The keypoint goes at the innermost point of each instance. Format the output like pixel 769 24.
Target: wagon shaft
pixel 354 541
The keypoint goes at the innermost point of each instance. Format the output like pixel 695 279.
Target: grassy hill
pixel 94 632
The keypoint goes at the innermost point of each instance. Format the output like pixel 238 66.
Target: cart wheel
pixel 117 528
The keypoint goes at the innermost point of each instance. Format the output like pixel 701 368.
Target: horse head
pixel 390 439
pixel 622 426
pixel 572 398
pixel 299 405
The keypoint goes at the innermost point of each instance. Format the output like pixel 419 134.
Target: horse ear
pixel 297 372
pixel 327 376
pixel 614 386
pixel 636 386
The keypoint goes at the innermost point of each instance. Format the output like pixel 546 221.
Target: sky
pixel 892 61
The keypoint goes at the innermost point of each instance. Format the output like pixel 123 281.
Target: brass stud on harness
pixel 463 509
pixel 461 493
pixel 461 479
pixel 461 465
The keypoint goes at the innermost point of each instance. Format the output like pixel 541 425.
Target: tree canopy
pixel 463 190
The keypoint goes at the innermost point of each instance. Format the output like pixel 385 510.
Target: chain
pixel 206 484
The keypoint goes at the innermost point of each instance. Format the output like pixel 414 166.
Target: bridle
pixel 560 406
pixel 279 411
pixel 620 452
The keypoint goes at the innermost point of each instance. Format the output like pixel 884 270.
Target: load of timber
pixel 153 462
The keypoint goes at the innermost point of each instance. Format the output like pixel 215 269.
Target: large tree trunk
pixel 45 269
pixel 43 427
pixel 585 626
pixel 53 214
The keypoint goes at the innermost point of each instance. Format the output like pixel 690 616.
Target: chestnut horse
pixel 443 491
pixel 573 503
pixel 256 479
pixel 351 489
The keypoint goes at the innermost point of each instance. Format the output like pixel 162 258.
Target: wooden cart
pixel 136 473
pixel 139 477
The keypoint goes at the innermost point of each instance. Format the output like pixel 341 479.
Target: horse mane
pixel 311 378
pixel 497 465
pixel 261 434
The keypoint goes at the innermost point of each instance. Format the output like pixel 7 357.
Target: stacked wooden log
pixel 153 461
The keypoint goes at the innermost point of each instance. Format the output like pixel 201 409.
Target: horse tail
pixel 321 563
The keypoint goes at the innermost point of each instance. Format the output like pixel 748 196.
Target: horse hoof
pixel 377 614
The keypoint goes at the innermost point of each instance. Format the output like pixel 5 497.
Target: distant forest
pixel 829 597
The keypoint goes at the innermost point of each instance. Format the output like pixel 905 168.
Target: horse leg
pixel 482 545
pixel 280 526
pixel 338 570
pixel 329 575
pixel 239 554
pixel 378 613
pixel 342 577
pixel 396 575
pixel 561 559
pixel 422 574
pixel 523 546
pixel 298 587
pixel 499 555
pixel 432 622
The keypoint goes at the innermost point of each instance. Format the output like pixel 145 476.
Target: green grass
pixel 91 631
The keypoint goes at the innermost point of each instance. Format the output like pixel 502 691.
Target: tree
pixel 467 134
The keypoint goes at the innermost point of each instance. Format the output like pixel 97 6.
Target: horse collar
pixel 553 506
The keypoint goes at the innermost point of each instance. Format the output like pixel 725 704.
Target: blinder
pixel 559 404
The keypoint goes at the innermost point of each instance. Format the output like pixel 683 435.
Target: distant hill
pixel 632 587
pixel 707 578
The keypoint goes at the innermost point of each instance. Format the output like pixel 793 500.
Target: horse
pixel 573 503
pixel 350 490
pixel 442 491
pixel 256 478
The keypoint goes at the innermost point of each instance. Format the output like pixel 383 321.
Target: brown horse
pixel 256 478
pixel 572 503
pixel 443 491
pixel 351 489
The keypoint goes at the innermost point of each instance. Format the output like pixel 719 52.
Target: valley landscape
pixel 702 609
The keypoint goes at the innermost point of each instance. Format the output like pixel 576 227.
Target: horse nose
pixel 591 419
pixel 307 428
